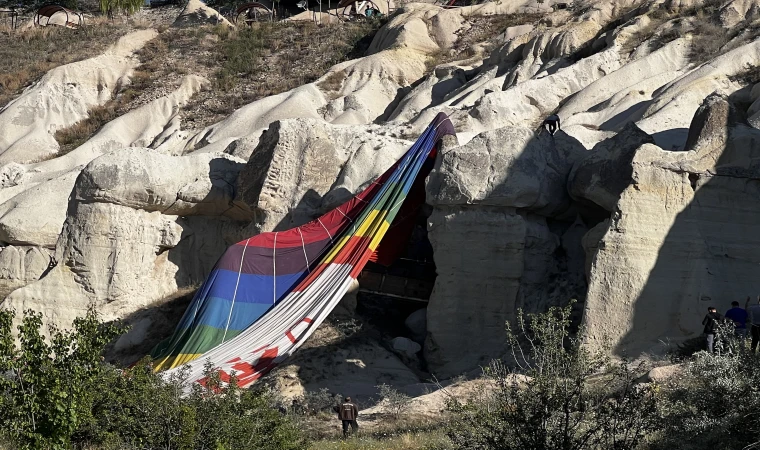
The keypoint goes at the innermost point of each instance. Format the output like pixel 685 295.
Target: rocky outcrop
pixel 677 242
pixel 35 197
pixel 63 97
pixel 501 212
pixel 197 13
pixel 643 207
pixel 136 230
pixel 602 175
pixel 301 168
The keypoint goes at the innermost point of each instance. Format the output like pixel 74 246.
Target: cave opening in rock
pixel 393 298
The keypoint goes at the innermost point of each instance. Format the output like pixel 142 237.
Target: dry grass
pixel 709 38
pixel 334 81
pixel 25 55
pixel 72 137
pixel 483 30
pixel 411 440
pixel 244 65
pixel 271 58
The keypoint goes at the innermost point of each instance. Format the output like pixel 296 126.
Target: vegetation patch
pixel 243 65
pixel 709 38
pixel 551 393
pixel 555 394
pixel 25 55
pixel 410 440
pixel 72 137
pixel 484 31
pixel 270 58
pixel 60 394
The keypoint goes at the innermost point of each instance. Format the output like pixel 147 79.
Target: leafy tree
pixel 567 397
pixel 58 393
pixel 129 7
pixel 48 386
pixel 141 409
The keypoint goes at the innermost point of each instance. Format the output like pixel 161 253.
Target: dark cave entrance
pixel 393 298
pixel 411 275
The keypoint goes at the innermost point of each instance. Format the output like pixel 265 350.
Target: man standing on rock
pixel 753 313
pixel 552 124
pixel 710 322
pixel 347 413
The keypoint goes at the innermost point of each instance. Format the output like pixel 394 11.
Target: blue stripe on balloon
pixel 251 288
pixel 216 312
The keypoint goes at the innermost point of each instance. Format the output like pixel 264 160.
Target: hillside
pixel 128 165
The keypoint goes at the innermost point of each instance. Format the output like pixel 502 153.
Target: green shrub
pixel 49 386
pixel 572 398
pixel 395 401
pixel 716 403
pixel 141 409
pixel 128 7
pixel 58 393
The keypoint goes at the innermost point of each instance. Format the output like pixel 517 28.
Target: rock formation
pixel 198 13
pixel 643 207
pixel 63 97
pixel 677 241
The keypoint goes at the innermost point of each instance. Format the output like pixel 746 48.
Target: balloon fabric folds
pixel 269 293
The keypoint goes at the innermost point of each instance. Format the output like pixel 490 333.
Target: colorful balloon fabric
pixel 269 293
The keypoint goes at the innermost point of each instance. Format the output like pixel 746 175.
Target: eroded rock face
pixel 678 241
pixel 602 175
pixel 62 97
pixel 508 167
pixel 301 168
pixel 495 242
pixel 139 226
pixel 197 13
pixel 520 220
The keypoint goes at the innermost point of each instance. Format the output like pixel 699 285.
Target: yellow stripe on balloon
pixel 379 235
pixel 335 250
pixel 171 362
pixel 369 223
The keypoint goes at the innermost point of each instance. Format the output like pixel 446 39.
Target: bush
pixel 59 393
pixel 48 386
pixel 716 404
pixel 129 7
pixel 395 401
pixel 572 398
pixel 315 402
pixel 139 408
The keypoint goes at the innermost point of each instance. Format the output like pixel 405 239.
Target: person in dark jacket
pixel 552 124
pixel 753 317
pixel 738 316
pixel 347 413
pixel 710 322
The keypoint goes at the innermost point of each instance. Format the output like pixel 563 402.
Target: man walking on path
pixel 739 317
pixel 347 413
pixel 753 315
pixel 711 326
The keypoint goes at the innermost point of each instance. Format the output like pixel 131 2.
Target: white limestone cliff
pixel 641 208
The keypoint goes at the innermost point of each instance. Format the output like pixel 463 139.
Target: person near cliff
pixel 347 413
pixel 710 322
pixel 753 315
pixel 552 124
pixel 738 316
